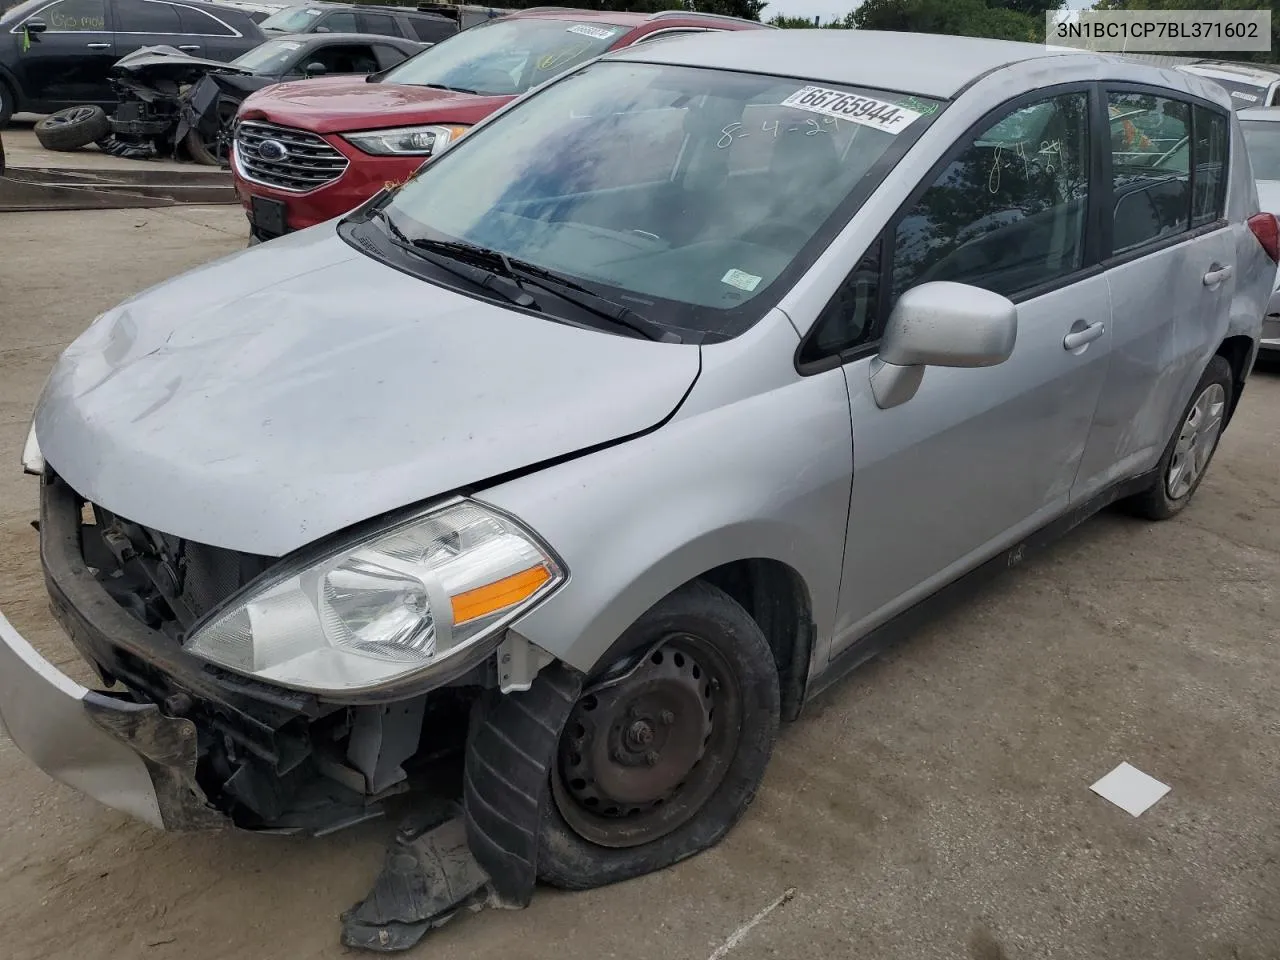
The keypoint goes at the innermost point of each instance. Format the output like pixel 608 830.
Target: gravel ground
pixel 935 804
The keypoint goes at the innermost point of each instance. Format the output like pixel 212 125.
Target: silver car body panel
pixel 43 712
pixel 293 391
pixel 241 406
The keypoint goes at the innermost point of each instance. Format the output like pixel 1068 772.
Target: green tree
pixel 972 18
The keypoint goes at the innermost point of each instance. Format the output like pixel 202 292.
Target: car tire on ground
pixel 8 104
pixel 662 754
pixel 1190 450
pixel 199 151
pixel 73 128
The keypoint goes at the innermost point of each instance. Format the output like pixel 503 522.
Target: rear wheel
pixel 8 104
pixel 1192 446
pixel 73 128
pixel 661 756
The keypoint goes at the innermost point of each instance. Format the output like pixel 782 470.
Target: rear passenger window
pixel 1209 185
pixel 1150 166
pixel 1008 212
pixel 197 23
pixel 341 23
pixel 380 24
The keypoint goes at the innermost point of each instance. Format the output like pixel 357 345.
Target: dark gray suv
pixel 403 22
pixel 58 53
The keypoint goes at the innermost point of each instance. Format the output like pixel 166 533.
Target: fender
pixel 757 464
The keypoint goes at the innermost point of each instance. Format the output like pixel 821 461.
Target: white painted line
pixel 1130 789
pixel 746 928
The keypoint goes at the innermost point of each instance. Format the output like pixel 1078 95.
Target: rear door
pixel 68 63
pixel 1170 270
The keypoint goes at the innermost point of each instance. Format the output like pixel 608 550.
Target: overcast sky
pixel 830 10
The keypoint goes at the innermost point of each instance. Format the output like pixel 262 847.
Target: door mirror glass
pixel 35 26
pixel 314 69
pixel 945 324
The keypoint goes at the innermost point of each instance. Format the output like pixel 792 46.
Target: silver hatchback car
pixel 671 393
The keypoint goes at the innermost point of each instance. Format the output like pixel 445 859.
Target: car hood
pixel 340 104
pixel 289 391
pixel 165 61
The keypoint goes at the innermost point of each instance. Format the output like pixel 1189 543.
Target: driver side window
pixel 1007 212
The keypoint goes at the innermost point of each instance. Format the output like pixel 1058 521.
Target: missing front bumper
pixel 129 756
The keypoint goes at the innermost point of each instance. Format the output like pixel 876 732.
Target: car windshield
pixel 682 192
pixel 1262 140
pixel 507 57
pixel 291 19
pixel 268 58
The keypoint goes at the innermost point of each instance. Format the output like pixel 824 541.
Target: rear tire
pixel 8 104
pixel 662 755
pixel 1190 450
pixel 73 128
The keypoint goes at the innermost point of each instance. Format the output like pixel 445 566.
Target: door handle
pixel 98 46
pixel 1216 276
pixel 188 47
pixel 1083 336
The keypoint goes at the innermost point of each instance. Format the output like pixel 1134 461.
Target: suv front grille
pixel 297 161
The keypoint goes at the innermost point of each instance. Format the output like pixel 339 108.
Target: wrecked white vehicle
pixel 667 395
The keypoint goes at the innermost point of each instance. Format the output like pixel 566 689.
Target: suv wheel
pixel 73 128
pixel 662 755
pixel 8 104
pixel 1191 447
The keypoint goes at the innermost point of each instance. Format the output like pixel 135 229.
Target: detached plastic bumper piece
pixel 128 755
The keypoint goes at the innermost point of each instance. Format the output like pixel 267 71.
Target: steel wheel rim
pixel 624 775
pixel 1197 439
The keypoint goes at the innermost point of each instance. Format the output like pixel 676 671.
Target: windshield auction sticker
pixel 599 33
pixel 853 107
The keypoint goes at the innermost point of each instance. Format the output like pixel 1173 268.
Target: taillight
pixel 1264 227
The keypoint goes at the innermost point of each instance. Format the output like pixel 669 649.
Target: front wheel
pixel 1194 441
pixel 662 755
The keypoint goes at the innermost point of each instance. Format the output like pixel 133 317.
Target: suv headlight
pixel 406 141
pixel 420 597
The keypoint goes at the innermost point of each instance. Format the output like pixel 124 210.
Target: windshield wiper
pixel 566 288
pixel 591 301
pixel 506 287
pixel 441 86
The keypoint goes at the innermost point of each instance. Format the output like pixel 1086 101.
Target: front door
pixel 67 65
pixel 980 457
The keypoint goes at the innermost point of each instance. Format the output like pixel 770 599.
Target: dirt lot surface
pixel 935 805
pixel 22 149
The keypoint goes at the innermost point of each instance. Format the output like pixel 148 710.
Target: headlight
pixel 32 458
pixel 406 141
pixel 423 596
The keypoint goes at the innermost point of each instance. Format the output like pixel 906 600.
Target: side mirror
pixel 34 27
pixel 316 69
pixel 941 324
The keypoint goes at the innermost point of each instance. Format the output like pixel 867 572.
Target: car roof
pixel 933 65
pixel 1261 74
pixel 1259 113
pixel 378 8
pixel 619 18
pixel 312 39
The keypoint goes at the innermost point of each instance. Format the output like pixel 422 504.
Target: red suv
pixel 309 151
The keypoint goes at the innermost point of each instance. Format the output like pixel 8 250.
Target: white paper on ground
pixel 1130 789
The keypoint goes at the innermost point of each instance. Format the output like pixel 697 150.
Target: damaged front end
pixel 171 104
pixel 181 743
